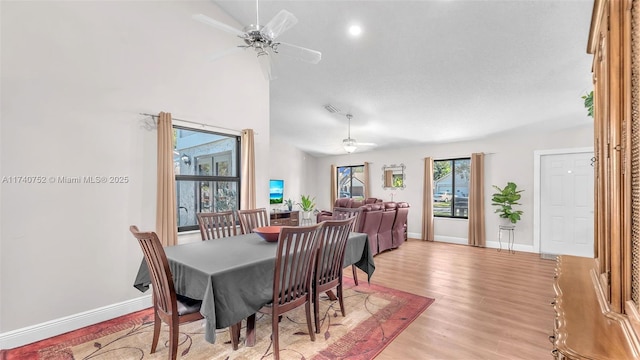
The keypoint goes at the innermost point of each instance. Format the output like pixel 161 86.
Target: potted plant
pixel 307 205
pixel 588 103
pixel 289 204
pixel 505 199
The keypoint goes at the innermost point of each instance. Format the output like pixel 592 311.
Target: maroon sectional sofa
pixel 385 223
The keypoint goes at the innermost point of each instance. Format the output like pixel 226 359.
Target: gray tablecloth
pixel 234 276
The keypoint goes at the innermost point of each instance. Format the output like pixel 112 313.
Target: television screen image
pixel 276 191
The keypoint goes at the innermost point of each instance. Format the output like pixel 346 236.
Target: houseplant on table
pixel 289 204
pixel 307 204
pixel 505 199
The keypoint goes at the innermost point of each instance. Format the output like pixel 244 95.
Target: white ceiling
pixel 426 71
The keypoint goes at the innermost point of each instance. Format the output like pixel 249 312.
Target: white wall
pixel 75 76
pixel 509 158
pixel 296 168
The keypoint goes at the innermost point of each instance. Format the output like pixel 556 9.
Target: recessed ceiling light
pixel 355 30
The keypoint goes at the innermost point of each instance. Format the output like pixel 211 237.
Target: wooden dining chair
pixel 328 273
pixel 252 218
pixel 168 307
pixel 340 213
pixel 292 281
pixel 345 213
pixel 216 225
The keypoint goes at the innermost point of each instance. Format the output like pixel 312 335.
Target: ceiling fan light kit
pixel 349 144
pixel 262 40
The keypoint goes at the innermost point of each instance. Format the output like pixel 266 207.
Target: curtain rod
pixel 154 117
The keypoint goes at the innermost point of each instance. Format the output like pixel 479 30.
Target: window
pixel 206 165
pixel 451 187
pixel 351 182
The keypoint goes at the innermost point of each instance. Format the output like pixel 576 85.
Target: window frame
pixel 453 189
pixel 197 179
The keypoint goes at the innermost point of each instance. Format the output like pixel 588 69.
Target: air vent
pixel 332 109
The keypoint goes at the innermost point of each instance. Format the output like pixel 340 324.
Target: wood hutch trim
pixel 596 317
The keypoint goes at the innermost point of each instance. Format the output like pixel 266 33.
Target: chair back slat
pixel 217 225
pixel 332 244
pixel 346 213
pixel 252 218
pixel 164 293
pixel 295 258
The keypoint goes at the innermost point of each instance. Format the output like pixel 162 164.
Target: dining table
pixel 233 276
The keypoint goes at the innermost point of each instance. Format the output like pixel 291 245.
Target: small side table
pixel 308 218
pixel 512 237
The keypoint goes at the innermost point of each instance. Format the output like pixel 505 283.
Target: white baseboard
pixel 27 335
pixel 451 240
pixel 516 247
pixel 489 244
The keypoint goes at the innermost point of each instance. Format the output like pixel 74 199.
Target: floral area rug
pixel 375 316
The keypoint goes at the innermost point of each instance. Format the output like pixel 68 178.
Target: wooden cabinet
pixel 598 300
pixel 285 218
pixel 584 326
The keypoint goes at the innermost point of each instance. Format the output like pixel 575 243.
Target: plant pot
pixel 504 222
pixel 307 215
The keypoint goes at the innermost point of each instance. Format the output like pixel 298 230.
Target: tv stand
pixel 284 218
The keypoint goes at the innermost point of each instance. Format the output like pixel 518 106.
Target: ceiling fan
pixel 262 39
pixel 349 144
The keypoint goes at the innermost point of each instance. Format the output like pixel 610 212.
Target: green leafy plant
pixel 307 203
pixel 588 103
pixel 505 199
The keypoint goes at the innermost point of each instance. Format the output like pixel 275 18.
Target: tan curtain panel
pixel 334 185
pixel 477 234
pixel 427 201
pixel 367 181
pixel 166 207
pixel 248 171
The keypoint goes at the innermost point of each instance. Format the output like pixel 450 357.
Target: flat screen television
pixel 276 191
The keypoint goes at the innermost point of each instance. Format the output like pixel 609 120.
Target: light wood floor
pixel 488 304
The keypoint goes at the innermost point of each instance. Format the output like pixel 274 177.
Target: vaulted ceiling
pixel 426 71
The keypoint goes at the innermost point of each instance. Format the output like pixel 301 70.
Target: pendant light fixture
pixel 349 144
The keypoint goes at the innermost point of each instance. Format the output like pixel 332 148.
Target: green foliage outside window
pixel 440 169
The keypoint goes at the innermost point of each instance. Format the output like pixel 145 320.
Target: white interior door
pixel 566 204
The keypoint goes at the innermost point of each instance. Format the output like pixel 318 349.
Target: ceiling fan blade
pixel 218 25
pixel 280 23
pixel 298 52
pixel 366 144
pixel 223 53
pixel 265 65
